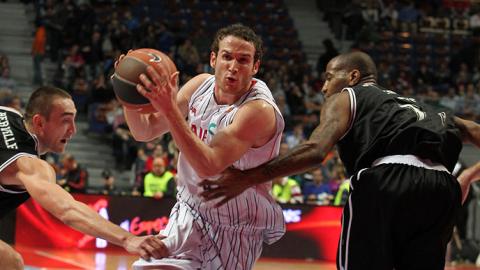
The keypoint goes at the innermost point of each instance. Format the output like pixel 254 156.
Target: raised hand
pixel 160 88
pixel 147 246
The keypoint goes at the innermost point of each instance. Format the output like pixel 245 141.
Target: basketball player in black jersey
pixel 47 126
pixel 399 153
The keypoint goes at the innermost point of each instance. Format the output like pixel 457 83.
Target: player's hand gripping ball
pixel 127 72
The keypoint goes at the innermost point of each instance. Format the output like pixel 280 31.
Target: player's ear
pixel 256 66
pixel 38 122
pixel 213 59
pixel 354 77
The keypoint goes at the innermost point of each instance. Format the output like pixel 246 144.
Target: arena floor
pixel 43 259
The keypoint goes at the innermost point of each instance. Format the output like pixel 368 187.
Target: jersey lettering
pixel 410 104
pixel 200 132
pixel 8 137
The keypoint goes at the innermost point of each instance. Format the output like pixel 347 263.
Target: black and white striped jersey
pixel 384 123
pixel 15 141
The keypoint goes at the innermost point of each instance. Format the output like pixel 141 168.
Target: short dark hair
pixel 358 60
pixel 240 31
pixel 40 102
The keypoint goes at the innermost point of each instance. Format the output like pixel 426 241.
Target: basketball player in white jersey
pixel 232 120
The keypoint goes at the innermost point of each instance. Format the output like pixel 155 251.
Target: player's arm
pixel 254 124
pixel 470 131
pixel 334 123
pixel 38 178
pixel 468 176
pixel 146 127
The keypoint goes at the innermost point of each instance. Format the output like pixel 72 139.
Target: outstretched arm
pixel 468 176
pixel 334 121
pixel 470 130
pixel 38 178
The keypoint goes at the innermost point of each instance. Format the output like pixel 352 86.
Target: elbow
pixel 208 170
pixel 139 137
pixel 144 136
pixel 207 173
pixel 316 153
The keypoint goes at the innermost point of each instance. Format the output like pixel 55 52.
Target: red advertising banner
pixel 312 231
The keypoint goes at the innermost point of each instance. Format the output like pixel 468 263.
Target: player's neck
pixel 28 127
pixel 40 149
pixel 225 98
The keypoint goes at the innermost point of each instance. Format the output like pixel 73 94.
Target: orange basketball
pixel 127 73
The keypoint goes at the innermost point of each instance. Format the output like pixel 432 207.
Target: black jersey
pixel 15 141
pixel 385 123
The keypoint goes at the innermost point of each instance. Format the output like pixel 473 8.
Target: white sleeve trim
pixel 8 162
pixel 353 109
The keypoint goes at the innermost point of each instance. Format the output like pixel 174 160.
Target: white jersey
pixel 254 208
pixel 200 236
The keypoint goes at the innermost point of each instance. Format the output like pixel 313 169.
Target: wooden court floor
pixel 44 259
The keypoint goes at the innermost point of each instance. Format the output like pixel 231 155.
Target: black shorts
pixel 398 217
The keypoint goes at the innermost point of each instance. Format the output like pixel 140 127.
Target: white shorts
pixel 194 244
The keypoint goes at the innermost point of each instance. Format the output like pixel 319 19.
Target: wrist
pixel 125 240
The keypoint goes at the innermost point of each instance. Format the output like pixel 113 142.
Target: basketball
pixel 127 73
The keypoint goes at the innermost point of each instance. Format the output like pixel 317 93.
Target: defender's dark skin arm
pixel 334 122
pixel 470 130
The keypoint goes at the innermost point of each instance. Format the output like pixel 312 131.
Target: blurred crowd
pixel 83 39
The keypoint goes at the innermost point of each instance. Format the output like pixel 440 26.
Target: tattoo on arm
pixel 334 121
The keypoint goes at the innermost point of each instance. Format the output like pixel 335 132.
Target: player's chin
pixel 60 148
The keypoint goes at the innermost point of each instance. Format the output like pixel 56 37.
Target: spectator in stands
pixel 318 190
pixel 158 152
pixel 38 51
pixel 124 147
pixel 353 18
pixel 342 193
pixel 450 100
pixel 94 55
pixel 370 12
pixel 6 81
pixel 423 76
pixel 80 93
pixel 295 97
pixel 388 16
pixel 4 63
pixel 109 187
pixel 159 182
pixel 471 102
pixel 188 57
pixel 74 177
pixel 463 76
pixel 286 190
pixel 73 62
pixel 408 16
pixel 13 101
pixel 295 137
pixel 474 22
pixel 329 52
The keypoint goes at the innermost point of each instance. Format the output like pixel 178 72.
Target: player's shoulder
pixel 257 110
pixel 195 83
pixel 200 79
pixel 31 164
